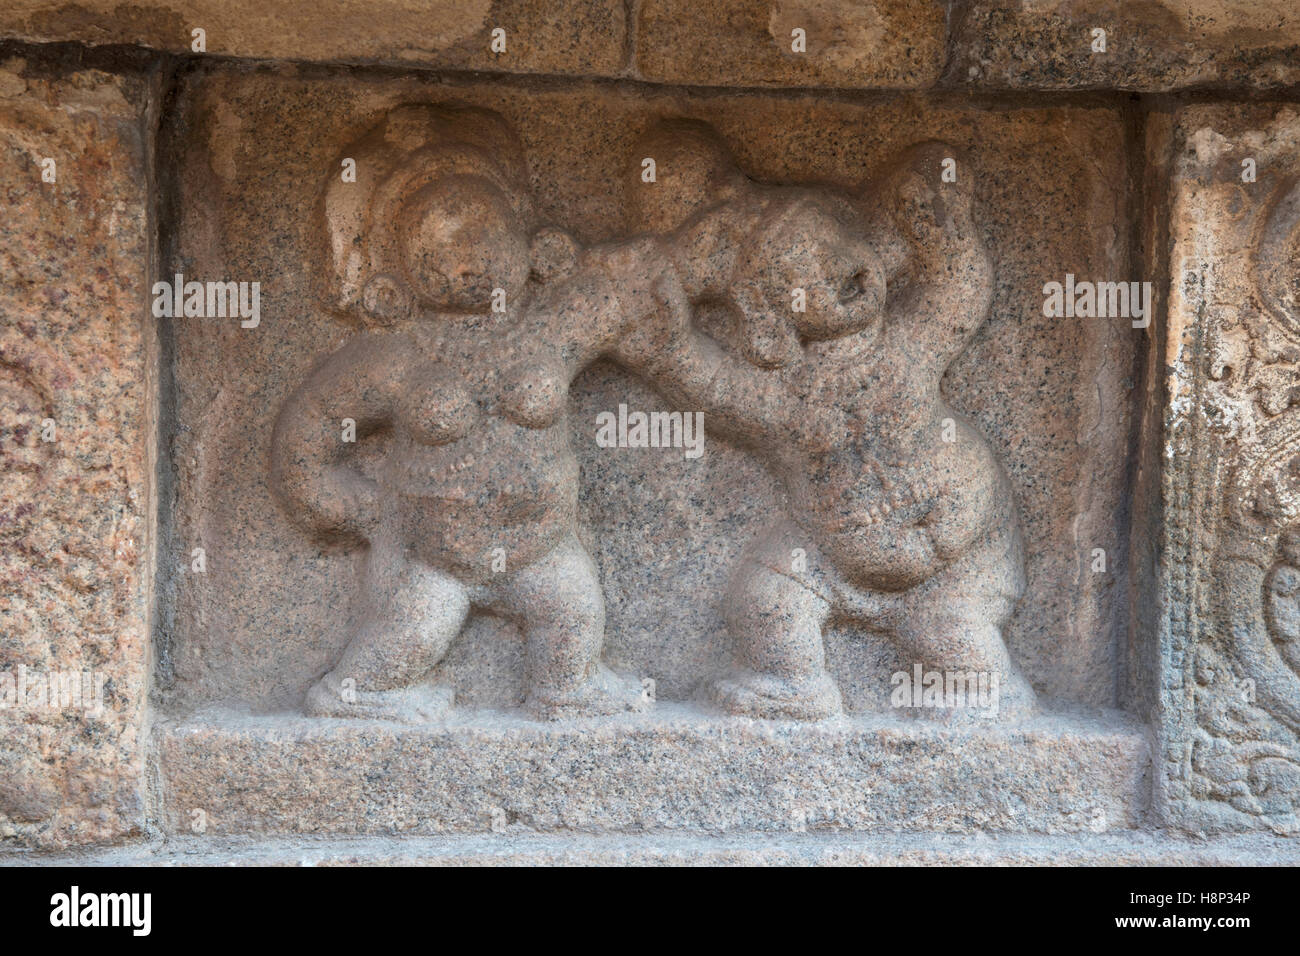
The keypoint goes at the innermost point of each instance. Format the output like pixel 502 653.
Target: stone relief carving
pixel 902 518
pixel 475 502
pixel 475 319
pixel 1246 750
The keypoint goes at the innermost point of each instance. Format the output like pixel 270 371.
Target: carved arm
pixel 307 469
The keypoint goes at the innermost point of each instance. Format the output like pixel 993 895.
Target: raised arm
pixel 928 236
pixel 624 301
pixel 618 294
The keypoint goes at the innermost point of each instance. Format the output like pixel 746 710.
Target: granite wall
pixel 991 313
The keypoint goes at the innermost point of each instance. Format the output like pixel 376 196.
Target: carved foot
pixel 771 698
pixel 420 704
pixel 604 694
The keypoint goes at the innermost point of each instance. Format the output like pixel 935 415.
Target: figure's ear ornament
pixel 386 299
pixel 554 254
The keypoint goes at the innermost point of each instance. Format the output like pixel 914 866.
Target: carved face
pixel 461 244
pixel 808 273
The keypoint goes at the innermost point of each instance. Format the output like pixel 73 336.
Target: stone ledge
pixel 1126 848
pixel 680 769
pixel 846 44
pixel 886 44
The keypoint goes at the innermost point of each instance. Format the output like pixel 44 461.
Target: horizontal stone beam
pixel 846 44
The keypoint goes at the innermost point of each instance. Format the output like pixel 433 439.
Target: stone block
pixel 679 770
pixel 77 379
pixel 1109 44
pixel 884 44
pixel 1229 680
pixel 580 37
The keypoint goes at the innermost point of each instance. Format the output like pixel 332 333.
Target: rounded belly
pixel 502 496
pixel 893 526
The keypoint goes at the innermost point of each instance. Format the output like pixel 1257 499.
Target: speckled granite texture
pixel 1230 694
pixel 364 564
pixel 267 618
pixel 75 439
pixel 581 37
pixel 845 44
pixel 679 769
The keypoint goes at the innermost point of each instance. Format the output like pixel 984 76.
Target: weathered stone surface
pixel 515 847
pixel 1151 45
pixel 275 606
pixel 478 318
pixel 679 769
pixel 1229 708
pixel 398 600
pixel 577 36
pixel 74 510
pixel 269 615
pixel 888 44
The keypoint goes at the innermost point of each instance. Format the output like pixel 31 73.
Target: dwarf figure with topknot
pixel 474 321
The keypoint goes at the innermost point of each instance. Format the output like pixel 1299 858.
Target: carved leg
pixel 954 623
pixel 776 624
pixel 562 610
pixel 410 615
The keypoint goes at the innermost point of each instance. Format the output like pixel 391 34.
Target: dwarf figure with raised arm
pixel 846 309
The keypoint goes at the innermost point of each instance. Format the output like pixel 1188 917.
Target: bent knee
pixel 759 594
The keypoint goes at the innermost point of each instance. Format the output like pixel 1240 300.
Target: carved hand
pixel 660 332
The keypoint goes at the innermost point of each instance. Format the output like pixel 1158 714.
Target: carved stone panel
pixel 650 430
pixel 1230 703
pixel 410 489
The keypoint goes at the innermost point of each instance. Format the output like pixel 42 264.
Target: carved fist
pixel 658 330
pixel 932 216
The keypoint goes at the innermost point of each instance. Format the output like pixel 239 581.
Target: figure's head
pixel 438 217
pixel 792 265
pixel 458 239
pixel 806 273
